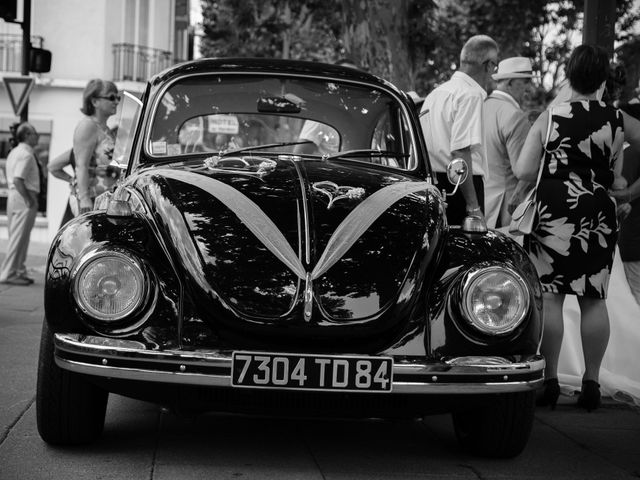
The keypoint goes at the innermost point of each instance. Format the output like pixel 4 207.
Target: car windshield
pixel 314 118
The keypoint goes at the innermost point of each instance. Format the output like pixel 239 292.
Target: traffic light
pixel 39 60
pixel 9 10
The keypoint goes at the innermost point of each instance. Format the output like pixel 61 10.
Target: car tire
pixel 498 429
pixel 69 409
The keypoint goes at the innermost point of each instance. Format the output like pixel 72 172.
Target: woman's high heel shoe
pixel 589 398
pixel 550 394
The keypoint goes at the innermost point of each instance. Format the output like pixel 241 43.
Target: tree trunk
pixel 376 37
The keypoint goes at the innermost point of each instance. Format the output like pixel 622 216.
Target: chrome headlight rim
pixel 131 318
pixel 471 279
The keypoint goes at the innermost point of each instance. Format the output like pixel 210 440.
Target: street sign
pixel 18 89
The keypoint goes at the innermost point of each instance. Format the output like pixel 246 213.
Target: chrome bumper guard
pixel 131 360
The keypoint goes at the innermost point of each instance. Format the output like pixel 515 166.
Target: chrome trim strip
pixel 305 210
pixel 225 381
pixel 435 378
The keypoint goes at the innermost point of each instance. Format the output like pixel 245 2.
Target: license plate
pixel 312 372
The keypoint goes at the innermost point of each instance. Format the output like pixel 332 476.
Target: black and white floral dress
pixel 573 242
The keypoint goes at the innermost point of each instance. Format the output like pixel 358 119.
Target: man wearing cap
pixel 451 120
pixel 506 127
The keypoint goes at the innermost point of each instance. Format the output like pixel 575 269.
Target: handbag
pixel 74 201
pixel 524 215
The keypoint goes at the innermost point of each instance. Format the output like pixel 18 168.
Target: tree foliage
pixel 413 43
pixel 319 31
pixel 299 30
pixel 562 31
pixel 452 22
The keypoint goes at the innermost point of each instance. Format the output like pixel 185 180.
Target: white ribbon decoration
pixel 360 219
pixel 347 233
pixel 248 212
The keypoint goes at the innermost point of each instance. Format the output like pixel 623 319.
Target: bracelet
pixel 472 210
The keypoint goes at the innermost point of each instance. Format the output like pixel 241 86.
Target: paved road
pixel 143 442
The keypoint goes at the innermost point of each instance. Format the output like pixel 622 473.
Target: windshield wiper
pixel 366 152
pixel 260 147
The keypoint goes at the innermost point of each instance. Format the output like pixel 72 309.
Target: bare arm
pixel 628 194
pixel 29 198
pixel 466 131
pixel 467 188
pixel 528 164
pixel 85 139
pixel 631 136
pixel 56 166
pixel 516 136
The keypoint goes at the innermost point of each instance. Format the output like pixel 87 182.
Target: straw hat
pixel 514 67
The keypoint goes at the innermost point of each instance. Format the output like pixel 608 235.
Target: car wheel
pixel 69 409
pixel 500 428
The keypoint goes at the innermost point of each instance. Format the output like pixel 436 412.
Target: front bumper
pixel 131 360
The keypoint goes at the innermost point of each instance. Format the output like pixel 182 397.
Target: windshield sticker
pixel 159 148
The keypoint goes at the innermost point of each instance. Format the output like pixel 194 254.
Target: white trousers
pixel 20 220
pixel 632 271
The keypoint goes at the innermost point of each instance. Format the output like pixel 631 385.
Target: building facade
pixel 125 41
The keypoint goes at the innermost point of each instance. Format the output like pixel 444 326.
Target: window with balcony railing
pixel 11 51
pixel 138 63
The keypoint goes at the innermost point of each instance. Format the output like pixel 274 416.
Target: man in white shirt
pixel 452 126
pixel 23 178
pixel 506 127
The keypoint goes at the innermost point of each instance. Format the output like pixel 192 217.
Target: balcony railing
pixel 11 51
pixel 138 63
pixel 131 62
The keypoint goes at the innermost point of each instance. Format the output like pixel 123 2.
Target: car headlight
pixel 109 285
pixel 495 300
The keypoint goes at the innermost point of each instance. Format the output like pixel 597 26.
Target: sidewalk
pixel 37 251
pixel 36 256
pixel 12 296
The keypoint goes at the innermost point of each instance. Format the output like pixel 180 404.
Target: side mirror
pixel 457 173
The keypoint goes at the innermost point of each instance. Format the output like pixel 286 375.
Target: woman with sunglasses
pixel 93 142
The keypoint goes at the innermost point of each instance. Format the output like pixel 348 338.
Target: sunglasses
pixel 112 98
pixel 491 62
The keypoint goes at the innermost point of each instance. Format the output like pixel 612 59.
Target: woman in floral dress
pixel 576 229
pixel 93 142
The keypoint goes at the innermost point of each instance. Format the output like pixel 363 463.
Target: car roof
pixel 270 65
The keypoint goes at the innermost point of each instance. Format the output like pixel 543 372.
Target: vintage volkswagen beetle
pixel 276 245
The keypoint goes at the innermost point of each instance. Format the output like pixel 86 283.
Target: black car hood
pixel 307 241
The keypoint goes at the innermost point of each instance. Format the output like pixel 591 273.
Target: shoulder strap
pixel 549 122
pixel 544 147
